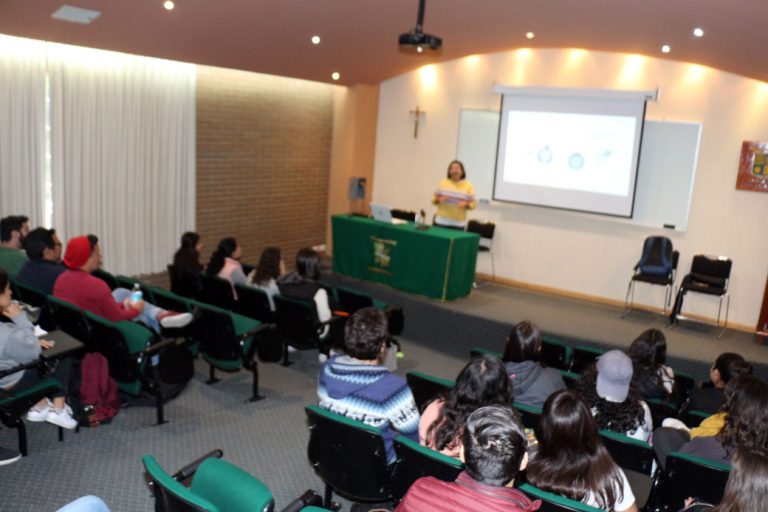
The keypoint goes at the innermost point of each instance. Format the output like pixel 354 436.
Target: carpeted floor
pixel 268 438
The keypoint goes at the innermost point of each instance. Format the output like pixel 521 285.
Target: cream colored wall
pixel 578 253
pixel 352 149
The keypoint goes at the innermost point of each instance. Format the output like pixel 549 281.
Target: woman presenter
pixel 453 197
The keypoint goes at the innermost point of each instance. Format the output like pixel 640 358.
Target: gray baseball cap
pixel 614 373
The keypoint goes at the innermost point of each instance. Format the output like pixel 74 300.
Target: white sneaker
pixel 62 417
pixel 172 319
pixel 38 415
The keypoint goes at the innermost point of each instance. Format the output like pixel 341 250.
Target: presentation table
pixel 435 262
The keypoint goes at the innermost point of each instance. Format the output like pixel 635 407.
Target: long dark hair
pixel 523 343
pixel 225 249
pixel 186 260
pixel 730 365
pixel 621 417
pixel 747 487
pixel 5 280
pixel 746 421
pixel 269 265
pixel 308 263
pixel 483 381
pixel 571 459
pixel 648 353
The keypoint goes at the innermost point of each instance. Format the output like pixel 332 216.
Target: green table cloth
pixel 438 262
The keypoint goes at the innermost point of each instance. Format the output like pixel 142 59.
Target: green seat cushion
pixel 172 486
pixel 42 388
pixel 230 488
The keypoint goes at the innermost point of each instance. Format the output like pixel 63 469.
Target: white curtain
pixel 123 153
pixel 22 128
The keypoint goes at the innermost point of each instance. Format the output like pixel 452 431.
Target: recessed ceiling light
pixel 169 5
pixel 530 35
pixel 315 39
pixel 75 14
pixel 335 75
pixel 419 49
pixel 665 49
pixel 698 32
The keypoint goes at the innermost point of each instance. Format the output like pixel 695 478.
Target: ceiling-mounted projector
pixel 416 41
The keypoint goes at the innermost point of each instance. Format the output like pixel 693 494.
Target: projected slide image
pixel 579 152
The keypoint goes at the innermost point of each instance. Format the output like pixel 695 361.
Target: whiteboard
pixel 666 172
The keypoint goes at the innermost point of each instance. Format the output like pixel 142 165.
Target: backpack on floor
pixel 98 391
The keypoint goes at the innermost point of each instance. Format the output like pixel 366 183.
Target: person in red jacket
pixel 78 286
pixel 494 451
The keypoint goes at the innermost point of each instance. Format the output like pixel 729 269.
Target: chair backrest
pixel 660 409
pixel 684 383
pixel 296 320
pixel 38 299
pixel 350 301
pixel 348 455
pixel 106 277
pixel 72 320
pixel 629 453
pixel 253 303
pixel 712 266
pixel 583 357
pixel 186 285
pixel 170 495
pixel 486 230
pixel 555 353
pixel 217 291
pixel 415 461
pixel 230 488
pixel 694 418
pixel 121 343
pixel 404 214
pixel 529 415
pixel 426 387
pixel 218 342
pixel 571 379
pixel 657 258
pixel 554 502
pixel 130 282
pixel 170 300
pixel 686 475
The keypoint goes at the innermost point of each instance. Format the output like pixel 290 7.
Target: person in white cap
pixel 614 403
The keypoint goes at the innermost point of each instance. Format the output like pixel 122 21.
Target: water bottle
pixel 136 294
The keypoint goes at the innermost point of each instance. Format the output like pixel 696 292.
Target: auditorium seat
pixel 426 387
pixel 554 502
pixel 415 461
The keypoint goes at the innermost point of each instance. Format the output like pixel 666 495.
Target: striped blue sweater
pixel 371 394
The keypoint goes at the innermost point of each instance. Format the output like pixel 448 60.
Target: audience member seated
pixel 225 263
pixel 78 286
pixel 186 266
pixel 745 426
pixel 13 230
pixel 483 381
pixel 653 378
pixel 747 486
pixel 270 267
pixel 571 459
pixel 494 452
pixel 727 366
pixel 44 264
pixel 532 383
pixel 303 285
pixel 19 345
pixel 358 386
pixel 614 402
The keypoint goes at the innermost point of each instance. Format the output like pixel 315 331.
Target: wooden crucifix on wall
pixel 417 115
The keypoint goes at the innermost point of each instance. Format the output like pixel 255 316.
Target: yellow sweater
pixel 709 426
pixel 449 210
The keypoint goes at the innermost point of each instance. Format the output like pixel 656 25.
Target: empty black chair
pixel 350 301
pixel 635 458
pixel 529 415
pixel 583 357
pixel 657 265
pixel 253 303
pixel 661 409
pixel 693 419
pixel 685 476
pixel 415 461
pixel 684 383
pixel 709 275
pixel 426 387
pixel 298 325
pixel 408 215
pixel 349 456
pixel 72 320
pixel 217 291
pixel 486 230
pixel 555 353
